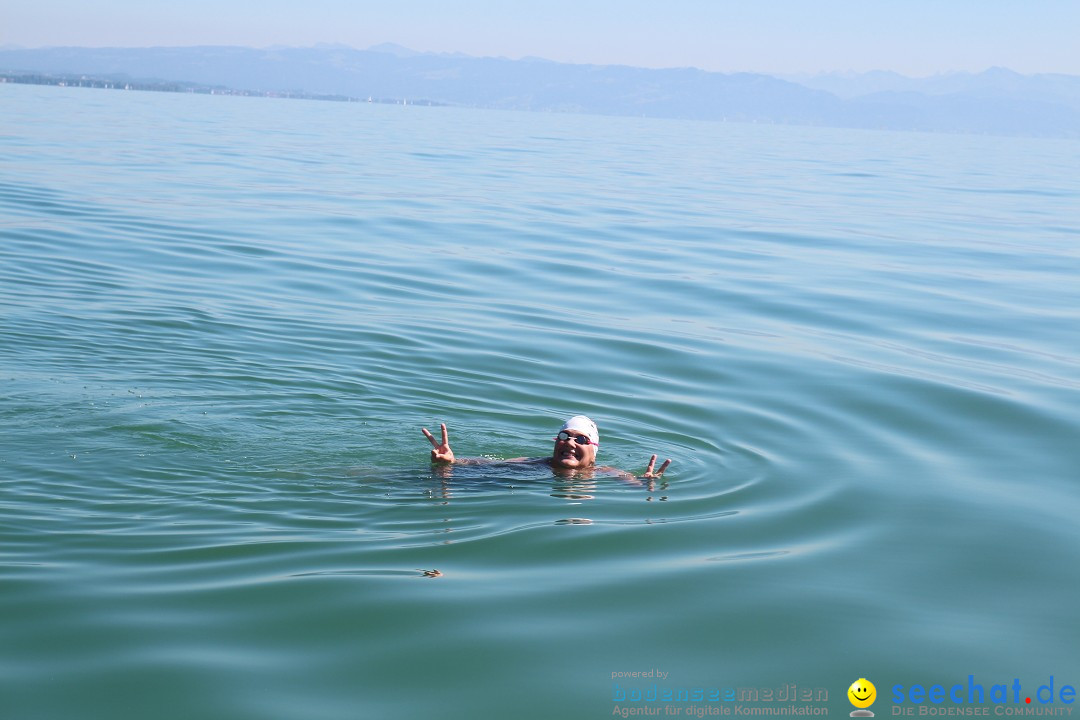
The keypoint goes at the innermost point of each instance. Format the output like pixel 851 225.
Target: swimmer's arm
pixel 621 474
pixel 494 461
pixel 441 454
pixel 650 473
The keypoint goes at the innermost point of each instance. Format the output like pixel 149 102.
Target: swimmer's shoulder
pixel 530 461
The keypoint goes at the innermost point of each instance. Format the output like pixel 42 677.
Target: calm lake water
pixel 223 322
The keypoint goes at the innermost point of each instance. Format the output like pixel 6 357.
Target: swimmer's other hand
pixel 441 452
pixel 649 473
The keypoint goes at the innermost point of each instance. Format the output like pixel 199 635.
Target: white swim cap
pixel 583 425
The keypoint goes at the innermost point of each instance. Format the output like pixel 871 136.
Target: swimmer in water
pixel 575 449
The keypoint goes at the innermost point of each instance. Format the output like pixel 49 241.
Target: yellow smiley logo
pixel 862 693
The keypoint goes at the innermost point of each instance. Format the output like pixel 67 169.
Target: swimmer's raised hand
pixel 441 452
pixel 649 473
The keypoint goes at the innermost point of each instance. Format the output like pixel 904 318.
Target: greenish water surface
pixel 223 322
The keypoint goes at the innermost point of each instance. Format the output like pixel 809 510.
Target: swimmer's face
pixel 569 454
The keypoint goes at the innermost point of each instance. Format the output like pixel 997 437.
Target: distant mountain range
pixel 997 101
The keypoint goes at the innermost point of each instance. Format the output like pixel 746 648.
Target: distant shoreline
pixel 168 86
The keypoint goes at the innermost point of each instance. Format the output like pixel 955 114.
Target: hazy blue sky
pixel 914 37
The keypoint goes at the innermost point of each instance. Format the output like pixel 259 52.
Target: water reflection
pixel 457 484
pixel 574 485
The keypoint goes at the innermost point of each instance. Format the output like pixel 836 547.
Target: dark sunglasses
pixel 580 439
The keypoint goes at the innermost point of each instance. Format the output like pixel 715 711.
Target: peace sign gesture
pixel 441 452
pixel 649 470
